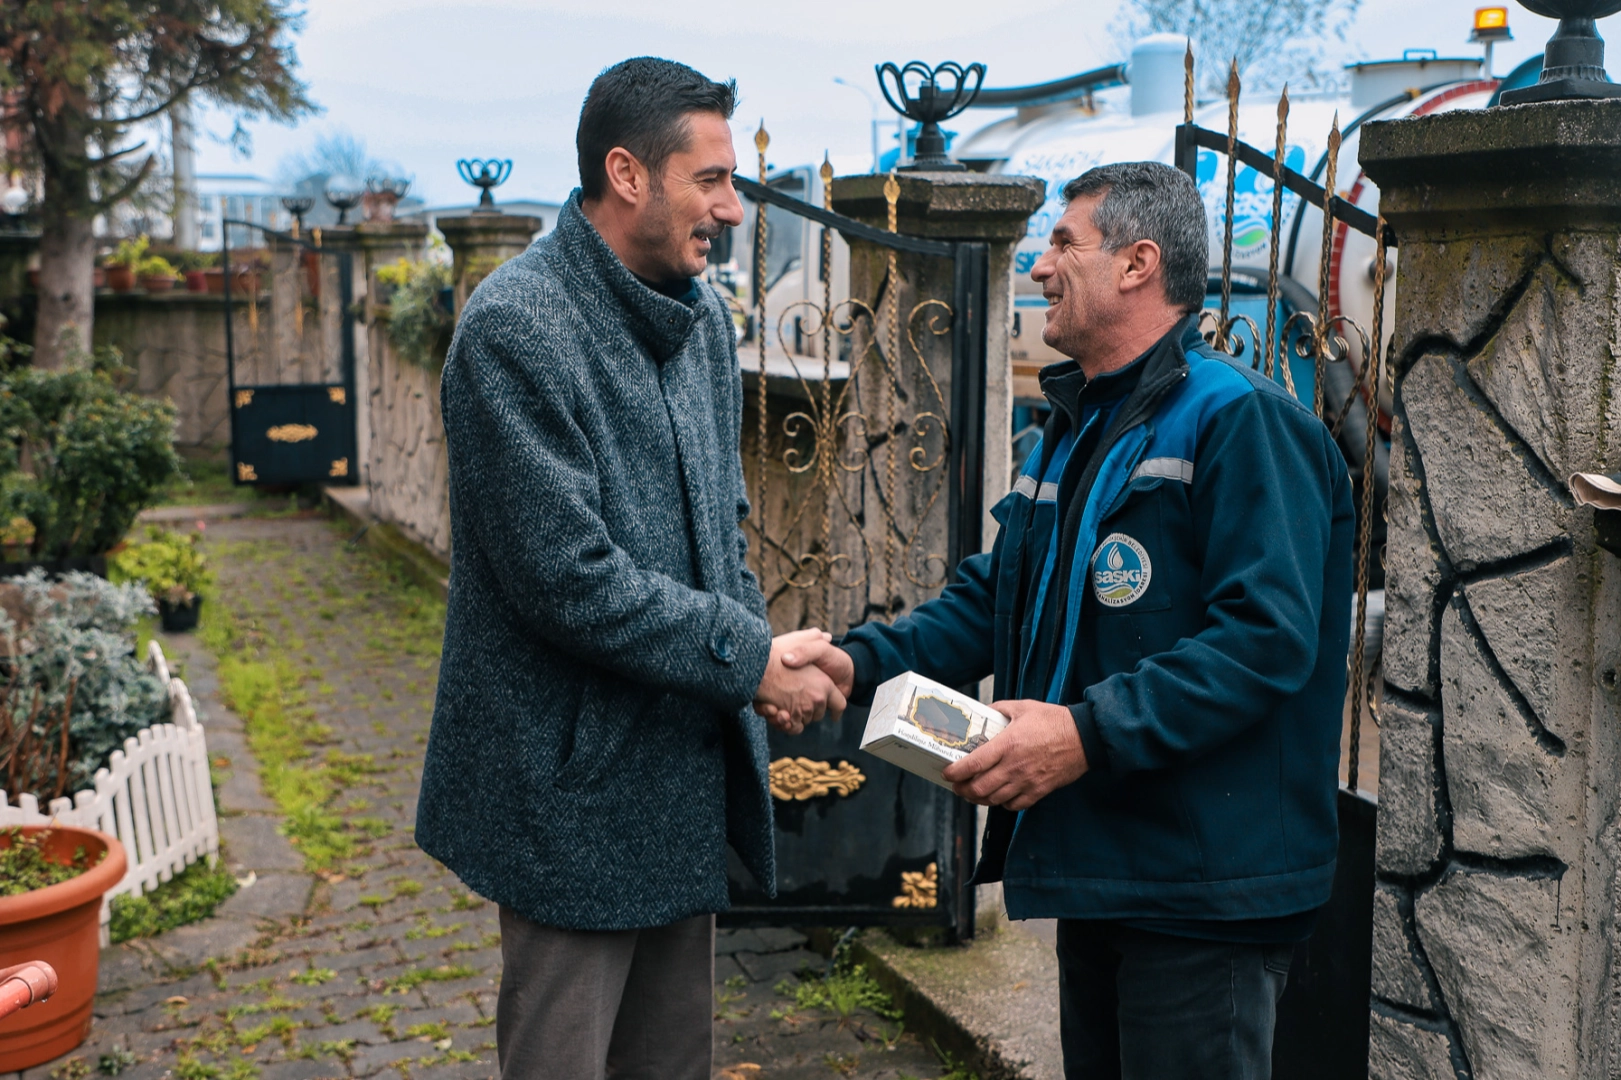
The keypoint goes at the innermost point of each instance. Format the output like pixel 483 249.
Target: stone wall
pixel 409 471
pixel 1495 914
pixel 176 344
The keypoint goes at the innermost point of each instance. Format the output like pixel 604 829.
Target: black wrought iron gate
pixel 1322 1022
pixel 293 419
pixel 864 435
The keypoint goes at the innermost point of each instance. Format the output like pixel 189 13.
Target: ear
pixel 1141 265
pixel 627 177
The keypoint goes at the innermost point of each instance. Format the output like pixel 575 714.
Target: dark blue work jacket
pixel 1195 617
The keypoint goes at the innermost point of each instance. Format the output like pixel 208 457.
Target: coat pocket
pixel 602 726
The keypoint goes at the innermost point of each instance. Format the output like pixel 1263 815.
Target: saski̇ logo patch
pixel 1120 571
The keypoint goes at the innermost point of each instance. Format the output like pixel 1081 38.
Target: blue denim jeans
pixel 1135 1005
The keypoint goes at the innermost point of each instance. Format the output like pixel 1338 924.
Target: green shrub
pixel 79 458
pixel 72 650
pixel 418 324
pixel 190 895
pixel 172 567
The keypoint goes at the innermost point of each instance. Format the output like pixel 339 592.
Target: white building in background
pixel 242 197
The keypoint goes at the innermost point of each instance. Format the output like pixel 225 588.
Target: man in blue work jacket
pixel 1166 612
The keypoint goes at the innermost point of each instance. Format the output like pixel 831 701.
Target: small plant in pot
pixel 173 569
pixel 124 264
pixel 156 274
pixel 52 880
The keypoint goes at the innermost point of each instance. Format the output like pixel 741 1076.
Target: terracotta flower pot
pixel 98 278
pixel 197 281
pixel 121 278
pixel 157 283
pixel 60 925
pixel 214 277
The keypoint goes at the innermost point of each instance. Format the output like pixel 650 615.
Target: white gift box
pixel 923 726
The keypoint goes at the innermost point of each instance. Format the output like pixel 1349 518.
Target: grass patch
pixel 411 978
pixel 190 895
pixel 843 992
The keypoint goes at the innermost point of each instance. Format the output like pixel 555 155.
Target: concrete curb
pixel 992 1004
pixel 419 564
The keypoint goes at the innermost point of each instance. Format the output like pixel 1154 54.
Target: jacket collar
pixel 659 323
pixel 1145 379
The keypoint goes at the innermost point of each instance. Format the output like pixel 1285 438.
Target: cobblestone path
pixel 350 953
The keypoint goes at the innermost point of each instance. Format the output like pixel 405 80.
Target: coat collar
pixel 659 323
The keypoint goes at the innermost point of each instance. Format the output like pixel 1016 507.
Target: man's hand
pixel 1038 753
pixel 792 696
pixel 820 651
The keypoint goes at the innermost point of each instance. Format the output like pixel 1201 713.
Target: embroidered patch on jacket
pixel 1120 571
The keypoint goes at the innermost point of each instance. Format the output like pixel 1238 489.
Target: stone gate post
pixel 481 241
pixel 380 243
pixel 1495 915
pixel 944 206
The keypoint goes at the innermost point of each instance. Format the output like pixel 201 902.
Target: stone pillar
pixel 482 241
pixel 380 243
pixel 945 206
pixel 1500 741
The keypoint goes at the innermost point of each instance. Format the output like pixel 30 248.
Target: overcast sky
pixel 425 82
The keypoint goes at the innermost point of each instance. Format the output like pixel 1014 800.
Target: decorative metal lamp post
pixel 298 206
pixel 343 194
pixel 933 103
pixel 1573 62
pixel 484 174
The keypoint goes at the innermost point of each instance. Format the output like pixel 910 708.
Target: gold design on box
pixel 338 394
pixel 244 398
pixel 292 433
pixel 919 889
pixel 802 778
pixel 340 467
pixel 245 472
pixel 947 723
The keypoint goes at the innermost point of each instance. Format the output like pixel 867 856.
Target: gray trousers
pixel 595 1004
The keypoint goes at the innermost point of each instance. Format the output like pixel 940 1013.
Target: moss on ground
pixel 270 676
pixel 190 895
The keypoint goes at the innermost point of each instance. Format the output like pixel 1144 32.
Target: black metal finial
pixel 484 174
pixel 298 206
pixel 1573 62
pixel 931 103
pixel 343 194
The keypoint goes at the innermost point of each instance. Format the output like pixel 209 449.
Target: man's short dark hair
pixel 642 105
pixel 1147 200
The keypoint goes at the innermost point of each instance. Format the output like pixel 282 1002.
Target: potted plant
pixel 194 266
pixel 173 569
pixel 52 879
pixel 123 265
pixel 419 324
pixel 156 274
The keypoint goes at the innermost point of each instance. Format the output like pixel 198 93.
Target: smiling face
pixel 1079 279
pixel 687 207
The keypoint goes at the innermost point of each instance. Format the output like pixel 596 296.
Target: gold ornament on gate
pixel 245 472
pixel 292 433
pixel 798 779
pixel 244 398
pixel 919 889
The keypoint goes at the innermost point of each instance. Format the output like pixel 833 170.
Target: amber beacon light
pixel 1491 26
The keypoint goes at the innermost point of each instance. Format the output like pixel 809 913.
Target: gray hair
pixel 1146 200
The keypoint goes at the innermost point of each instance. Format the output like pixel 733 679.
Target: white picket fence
pixel 154 795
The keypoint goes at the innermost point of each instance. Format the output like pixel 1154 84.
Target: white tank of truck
pixel 1130 112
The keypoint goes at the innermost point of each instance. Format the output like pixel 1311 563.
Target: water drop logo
pixel 1121 571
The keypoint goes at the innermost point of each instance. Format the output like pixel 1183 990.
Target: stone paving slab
pixel 383 964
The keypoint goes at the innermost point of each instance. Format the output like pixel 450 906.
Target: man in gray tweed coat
pixel 595 747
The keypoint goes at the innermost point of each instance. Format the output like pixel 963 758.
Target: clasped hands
pixel 1039 751
pixel 806 678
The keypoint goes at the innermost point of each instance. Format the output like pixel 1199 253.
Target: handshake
pixel 806 677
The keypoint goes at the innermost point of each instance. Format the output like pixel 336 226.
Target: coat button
pixel 722 648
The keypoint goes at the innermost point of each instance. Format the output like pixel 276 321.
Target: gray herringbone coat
pixel 593 749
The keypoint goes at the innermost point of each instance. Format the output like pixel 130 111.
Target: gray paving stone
pixel 271 894
pixel 252 843
pixel 769 967
pixel 296 1069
